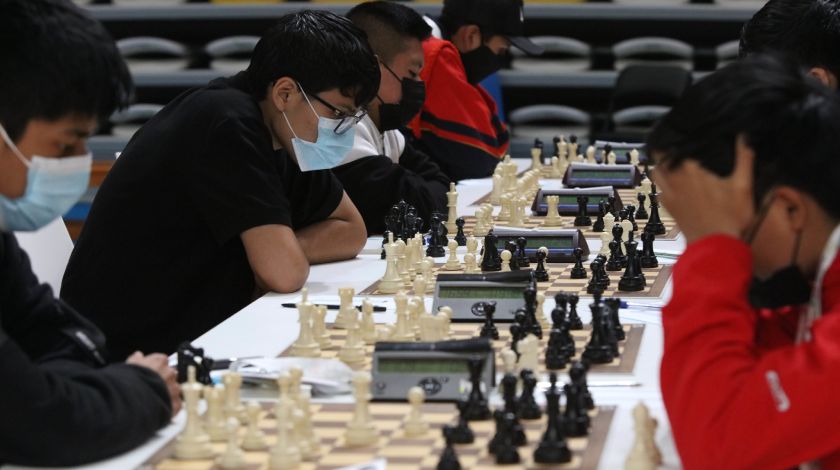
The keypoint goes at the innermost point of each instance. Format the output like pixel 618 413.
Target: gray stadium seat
pixel 126 122
pixel 653 50
pixel 544 121
pixel 151 54
pixel 727 52
pixel 561 55
pixel 231 54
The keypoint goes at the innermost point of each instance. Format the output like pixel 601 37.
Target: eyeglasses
pixel 346 122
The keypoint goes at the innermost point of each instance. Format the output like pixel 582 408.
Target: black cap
pixel 502 17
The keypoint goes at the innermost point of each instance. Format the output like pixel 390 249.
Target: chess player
pixel 747 164
pixel 459 126
pixel 806 30
pixel 383 167
pixel 227 192
pixel 59 401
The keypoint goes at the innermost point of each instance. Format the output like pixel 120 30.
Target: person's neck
pixel 815 237
pixel 373 112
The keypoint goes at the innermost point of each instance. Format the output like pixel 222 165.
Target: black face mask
pixel 480 63
pixel 785 287
pixel 396 116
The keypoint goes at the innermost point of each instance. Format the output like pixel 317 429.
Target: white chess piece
pixel 529 350
pixel 361 430
pixel 496 193
pixel 445 318
pixel 402 262
pixel 194 442
pixel 305 345
pixel 233 404
pixel 590 154
pixel 508 361
pixel 391 282
pixel 555 168
pixel 606 238
pixel 319 327
pixel 307 430
pixel 505 255
pixel 634 157
pixel 627 227
pixel 352 352
pixel 214 417
pixel 452 204
pixel 541 318
pixel 345 308
pixel 611 158
pixel 536 158
pixel 552 217
pixel 413 425
pixel 505 211
pixel 368 323
pixel 470 264
pixel 609 221
pixel 254 438
pixel 233 457
pixel 643 455
pixel 402 328
pixel 452 263
pixel 285 455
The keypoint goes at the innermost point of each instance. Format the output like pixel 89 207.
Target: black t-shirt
pixel 160 260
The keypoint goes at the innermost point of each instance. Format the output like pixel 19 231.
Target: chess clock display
pixel 461 291
pixel 560 243
pixel 587 175
pixel 568 199
pixel 442 369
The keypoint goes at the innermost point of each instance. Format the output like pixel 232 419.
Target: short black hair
pixel 320 50
pixel 388 25
pixel 789 119
pixel 56 61
pixel 806 30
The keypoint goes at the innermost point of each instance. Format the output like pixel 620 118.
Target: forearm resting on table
pixel 331 240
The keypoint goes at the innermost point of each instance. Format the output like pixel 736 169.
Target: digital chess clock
pixel 587 175
pixel 568 200
pixel 441 369
pixel 622 149
pixel 560 243
pixel 461 291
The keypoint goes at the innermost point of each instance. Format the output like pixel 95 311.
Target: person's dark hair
pixel 56 61
pixel 789 119
pixel 388 25
pixel 319 49
pixel 452 17
pixel 806 30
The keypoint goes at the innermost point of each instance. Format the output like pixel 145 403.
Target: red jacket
pixel 458 126
pixel 737 401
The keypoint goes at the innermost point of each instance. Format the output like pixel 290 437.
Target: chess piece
pixel 553 448
pixel 541 273
pixel 368 327
pixel 510 246
pixel 529 349
pixel 536 155
pixel 361 430
pixel 521 254
pixel 506 208
pixel 491 260
pixel 486 310
pixel 193 442
pixel 413 425
pixel 496 192
pixel 527 406
pixel 352 352
pixel 285 454
pixel 233 405
pixel 436 243
pixel 598 350
pixel 606 237
pixel 578 271
pixel 583 219
pixel 452 263
pixel 641 212
pixel 305 345
pixel 644 454
pixel 508 391
pixel 575 416
pixel 556 171
pixel 506 451
pixel 319 327
pixel 460 237
pixel 448 458
pixel 633 279
pixel 451 205
pixel 254 438
pixel 574 320
pixel 391 282
pixel 470 265
pixel 402 328
pixel 476 408
pixel 214 418
pixel 539 313
pixel 506 257
pixel 577 374
pixel 310 443
pixel 599 224
pixel 654 223
pixel 345 308
pixel 631 216
pixel 552 217
pixel 648 259
pixel 233 456
pixel 613 305
pixel 472 245
pixel 462 434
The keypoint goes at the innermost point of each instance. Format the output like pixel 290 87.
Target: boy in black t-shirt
pixel 60 403
pixel 227 193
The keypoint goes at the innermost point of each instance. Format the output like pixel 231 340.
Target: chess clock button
pixel 430 385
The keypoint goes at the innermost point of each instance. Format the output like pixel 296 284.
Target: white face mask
pixel 53 185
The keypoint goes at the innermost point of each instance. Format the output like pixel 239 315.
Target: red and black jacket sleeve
pixel 458 126
pixel 60 404
pixel 731 404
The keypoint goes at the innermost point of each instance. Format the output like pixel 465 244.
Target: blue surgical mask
pixel 53 185
pixel 328 151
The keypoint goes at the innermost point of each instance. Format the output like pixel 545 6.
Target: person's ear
pixel 473 36
pixel 823 75
pixel 282 91
pixel 793 202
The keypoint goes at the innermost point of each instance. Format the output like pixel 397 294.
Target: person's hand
pixel 159 363
pixel 703 203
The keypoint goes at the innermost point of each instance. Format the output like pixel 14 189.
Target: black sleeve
pixel 457 160
pixel 234 183
pixel 58 405
pixel 375 184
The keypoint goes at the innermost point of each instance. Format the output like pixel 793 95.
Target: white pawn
pixel 368 323
pixel 606 238
pixel 505 256
pixel 445 317
pixel 609 221
pixel 611 158
pixel 254 438
pixel 194 442
pixel 233 405
pixel 541 318
pixel 452 263
pixel 472 245
pixel 496 193
pixel 627 227
pixel 470 264
pixel 233 456
pixel 536 158
pixel 307 431
pixel 644 455
pixel 508 360
pixel 529 350
pixel 413 425
pixel 319 327
pixel 214 417
pixel 285 455
pixel 552 217
pixel 555 168
pixel 590 154
pixel 505 211
pixel 361 430
pixel 634 157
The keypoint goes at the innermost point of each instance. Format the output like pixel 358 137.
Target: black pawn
pixel 521 255
pixel 648 258
pixel 462 434
pixel 574 320
pixel 514 260
pixel 558 314
pixel 575 418
pixel 613 306
pixel 641 212
pixel 435 248
pixel 607 151
pixel 633 280
pixel 583 219
pixel 654 224
pixel 448 458
pixel 459 236
pixel 486 310
pixel 509 383
pixel 477 408
pixel 527 408
pixel 554 358
pixel 577 373
pixel 491 260
pixel 506 451
pixel 603 280
pixel 553 448
pixel 598 226
pixel 541 274
pixel 631 216
pixel 611 206
pixel 594 267
pixel 578 271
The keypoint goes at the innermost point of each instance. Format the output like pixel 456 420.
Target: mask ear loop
pixel 796 245
pixel 13 147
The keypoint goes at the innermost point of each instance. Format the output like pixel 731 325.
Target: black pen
pixel 376 308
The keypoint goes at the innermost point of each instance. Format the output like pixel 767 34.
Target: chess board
pixel 628 196
pixel 402 453
pixel 625 363
pixel 559 275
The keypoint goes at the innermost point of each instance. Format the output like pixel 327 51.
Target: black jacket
pixel 376 183
pixel 59 403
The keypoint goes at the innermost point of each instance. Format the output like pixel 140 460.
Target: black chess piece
pixel 477 408
pixel 598 225
pixel 448 458
pixel 491 261
pixel 486 310
pixel 462 434
pixel 516 333
pixel 510 246
pixel 654 223
pixel 506 451
pixel 603 279
pixel 578 271
pixel 554 358
pixel 410 225
pixel 583 219
pixel 555 149
pixel 614 263
pixel 607 151
pixel 613 305
pixel 538 144
pixel 648 259
pixel 444 240
pixel 598 350
pixel 575 416
pixel 611 205
pixel 459 236
pixel 641 212
pixel 435 248
pixel 553 448
pixel 633 279
pixel 531 324
pixel 384 242
pixel 527 406
pixel 521 255
pixel 508 386
pixel 541 274
pixel 558 314
pixel 631 216
pixel 594 267
pixel 574 320
pixel 577 374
